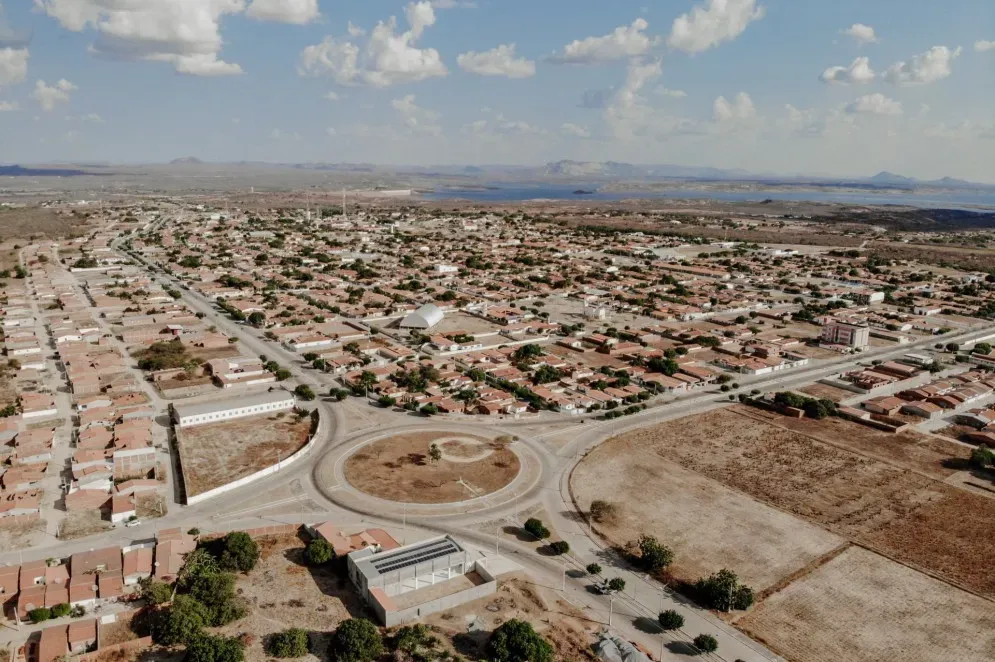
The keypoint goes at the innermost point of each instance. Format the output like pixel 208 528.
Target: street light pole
pixel 611 609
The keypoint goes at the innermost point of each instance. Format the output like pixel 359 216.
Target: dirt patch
pixel 861 607
pixel 907 514
pixel 709 525
pixel 209 354
pixel 215 455
pixel 26 222
pixel 151 506
pixel 17 536
pixel 399 469
pixel 827 392
pixel 83 523
pixel 563 625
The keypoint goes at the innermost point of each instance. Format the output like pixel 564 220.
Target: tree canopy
pixel 517 641
pixel 356 640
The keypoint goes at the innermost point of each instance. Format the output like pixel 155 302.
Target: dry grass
pixel 828 392
pixel 861 607
pixel 215 455
pixel 27 222
pixel 82 524
pixel 399 469
pixel 151 506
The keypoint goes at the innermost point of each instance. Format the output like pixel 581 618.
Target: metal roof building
pixel 424 318
pixel 223 410
pixel 410 567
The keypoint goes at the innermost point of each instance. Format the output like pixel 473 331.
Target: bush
pixel 61 609
pixel 304 392
pixel 559 547
pixel 616 585
pixel 602 510
pixel 289 643
pixel 319 552
pixel 156 593
pixel 671 620
pixel 706 643
pixel 180 623
pixel 517 641
pixel 240 552
pixel 216 592
pixel 209 648
pixel 654 556
pixel 593 569
pixel 723 592
pixel 536 528
pixel 356 640
pixel 40 615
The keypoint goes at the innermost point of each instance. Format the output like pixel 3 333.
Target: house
pixel 344 544
pixel 136 565
pixel 172 546
pixel 923 409
pixel 885 405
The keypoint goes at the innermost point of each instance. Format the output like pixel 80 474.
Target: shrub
pixel 289 643
pixel 319 552
pixel 671 620
pixel 706 643
pixel 616 585
pixel 602 510
pixel 40 615
pixel 723 592
pixel 982 457
pixel 593 569
pixel 536 528
pixel 61 609
pixel 209 648
pixel 240 552
pixel 517 641
pixel 356 640
pixel 156 593
pixel 559 547
pixel 304 392
pixel 653 555
pixel 180 623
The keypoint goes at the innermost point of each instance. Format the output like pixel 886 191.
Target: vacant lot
pixel 26 222
pixel 399 468
pixel 828 392
pixel 215 455
pixel 709 526
pixel 908 514
pixel 861 607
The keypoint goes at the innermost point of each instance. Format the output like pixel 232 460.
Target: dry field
pixel 896 504
pixel 26 222
pixel 828 392
pixel 282 592
pixel 761 544
pixel 861 607
pixel 215 455
pixel 83 523
pixel 399 468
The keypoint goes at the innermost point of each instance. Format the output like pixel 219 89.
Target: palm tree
pixel 367 379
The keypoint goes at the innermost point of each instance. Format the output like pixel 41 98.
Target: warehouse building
pixel 185 416
pixel 424 318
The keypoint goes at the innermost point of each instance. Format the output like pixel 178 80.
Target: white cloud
pixel 928 67
pixel 983 46
pixel 9 106
pixel 333 96
pixel 49 97
pixel 625 42
pixel 387 58
pixel 673 94
pixel 184 33
pixel 500 61
pixel 279 134
pixel 860 33
pixel 575 130
pixel 355 30
pixel 417 119
pixel 740 108
pixel 297 12
pixel 629 116
pixel 858 73
pixel 93 118
pixel 499 126
pixel 713 23
pixel 874 104
pixel 332 132
pixel 454 4
pixel 13 65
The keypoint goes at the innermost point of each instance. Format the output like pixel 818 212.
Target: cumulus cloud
pixel 386 59
pixel 9 106
pixel 858 73
pixel 711 24
pixel 740 108
pixel 13 65
pixel 929 67
pixel 629 116
pixel 500 61
pixel 297 12
pixel 184 33
pixel 498 126
pixel 575 130
pixel 332 96
pixel 860 33
pixel 874 104
pixel 417 119
pixel 48 97
pixel 454 4
pixel 673 94
pixel 625 42
pixel 983 46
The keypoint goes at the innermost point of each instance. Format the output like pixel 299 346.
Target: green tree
pixel 61 609
pixel 616 585
pixel 180 623
pixel 653 555
pixel 210 648
pixel 319 552
pixel 289 643
pixel 983 348
pixel 982 457
pixel 256 319
pixel 517 641
pixel 304 392
pixel 282 374
pixel 40 615
pixel 356 640
pixel 593 569
pixel 434 452
pixel 559 547
pixel 156 593
pixel 723 592
pixel 240 552
pixel 386 401
pixel 706 643
pixel 216 592
pixel 671 620
pixel 429 410
pixel 536 528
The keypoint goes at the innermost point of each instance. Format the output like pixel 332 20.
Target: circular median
pixel 404 468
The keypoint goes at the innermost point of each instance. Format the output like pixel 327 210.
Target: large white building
pixel 844 333
pixel 424 318
pixel 185 416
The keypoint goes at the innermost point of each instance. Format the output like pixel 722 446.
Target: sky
pixel 817 87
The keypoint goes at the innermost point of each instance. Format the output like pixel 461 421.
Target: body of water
pixel 966 200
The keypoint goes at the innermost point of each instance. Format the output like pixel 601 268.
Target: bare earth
pixel 861 607
pixel 656 497
pixel 399 469
pixel 215 455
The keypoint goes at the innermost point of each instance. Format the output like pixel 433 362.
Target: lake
pixel 966 200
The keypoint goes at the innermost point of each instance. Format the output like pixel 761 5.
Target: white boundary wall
pixel 268 471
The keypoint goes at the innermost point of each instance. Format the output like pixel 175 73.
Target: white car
pixel 132 522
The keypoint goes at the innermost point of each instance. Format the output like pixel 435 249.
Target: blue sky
pixel 807 86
